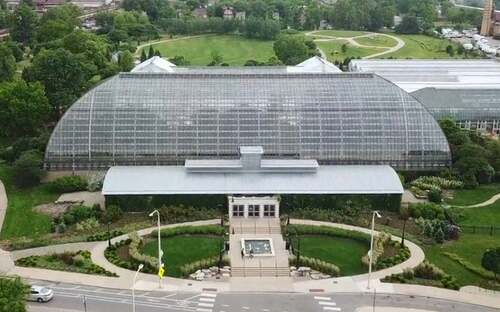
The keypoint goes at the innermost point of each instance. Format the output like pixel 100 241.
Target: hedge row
pixel 328 231
pixel 135 253
pixel 131 264
pixel 471 267
pixel 379 243
pixel 315 264
pixel 190 230
pixel 424 272
pixel 203 264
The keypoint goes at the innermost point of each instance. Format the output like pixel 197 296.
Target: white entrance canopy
pixel 251 175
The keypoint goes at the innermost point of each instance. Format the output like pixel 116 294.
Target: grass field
pixel 344 252
pixel 333 50
pixel 475 196
pixel 340 33
pixel 235 50
pixel 20 219
pixel 180 250
pixel 422 47
pixel 378 41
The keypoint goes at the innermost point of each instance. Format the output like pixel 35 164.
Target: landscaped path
pixel 490 201
pixel 3 204
pixel 352 40
pixel 138 51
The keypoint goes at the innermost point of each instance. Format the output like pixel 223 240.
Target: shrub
pixel 435 196
pixel 202 264
pixel 79 213
pixel 104 235
pixel 134 251
pixel 427 211
pixel 28 169
pixel 68 184
pixel 427 270
pixel 79 260
pixel 379 243
pixel 469 266
pixel 328 231
pixel 87 225
pixel 191 230
pixel 432 182
pixel 112 213
pixel 316 264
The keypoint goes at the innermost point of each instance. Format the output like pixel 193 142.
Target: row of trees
pixel 252 27
pixel 476 158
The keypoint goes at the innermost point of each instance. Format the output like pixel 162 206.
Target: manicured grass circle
pixel 183 249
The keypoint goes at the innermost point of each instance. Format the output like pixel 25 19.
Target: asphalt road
pixel 68 296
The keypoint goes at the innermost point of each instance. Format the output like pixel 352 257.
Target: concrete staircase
pixel 260 272
pixel 258 266
pixel 259 226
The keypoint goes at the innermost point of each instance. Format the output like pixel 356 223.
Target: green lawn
pixel 235 50
pixel 20 219
pixel 340 33
pixel 333 50
pixel 484 216
pixel 180 250
pixel 474 196
pixel 344 252
pixel 422 47
pixel 378 41
pixel 471 248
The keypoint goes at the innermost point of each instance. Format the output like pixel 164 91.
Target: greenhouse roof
pixel 412 75
pixel 171 180
pixel 461 104
pixel 166 118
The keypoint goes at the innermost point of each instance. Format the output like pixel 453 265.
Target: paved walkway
pixel 3 204
pixel 490 201
pixel 352 41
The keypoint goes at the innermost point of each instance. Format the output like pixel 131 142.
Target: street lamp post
pixel 370 255
pixel 133 286
pixel 159 244
pixel 221 210
pixel 109 235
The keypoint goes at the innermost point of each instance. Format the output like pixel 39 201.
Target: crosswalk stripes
pixel 206 302
pixel 327 304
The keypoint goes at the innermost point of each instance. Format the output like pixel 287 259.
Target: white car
pixel 40 294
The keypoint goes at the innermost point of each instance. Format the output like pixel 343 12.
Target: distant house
pixel 4 34
pixel 200 12
pixel 241 15
pixel 44 5
pixel 228 12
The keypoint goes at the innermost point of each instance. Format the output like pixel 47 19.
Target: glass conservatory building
pixel 477 109
pixel 151 118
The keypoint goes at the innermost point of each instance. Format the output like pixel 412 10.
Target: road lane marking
pixel 208 295
pixel 322 298
pixel 207 299
pixel 203 310
pixel 332 309
pixel 327 303
pixel 207 305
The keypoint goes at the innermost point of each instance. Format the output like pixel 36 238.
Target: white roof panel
pixel 165 180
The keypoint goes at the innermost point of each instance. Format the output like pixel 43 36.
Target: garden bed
pixel 185 249
pixel 79 262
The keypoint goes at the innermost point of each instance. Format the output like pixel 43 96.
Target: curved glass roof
pixel 166 118
pixel 461 104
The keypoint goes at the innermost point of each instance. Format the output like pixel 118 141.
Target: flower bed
pixel 78 262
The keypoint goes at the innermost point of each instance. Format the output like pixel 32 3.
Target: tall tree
pixel 126 61
pixel 491 260
pixel 151 52
pixel 24 24
pixel 23 108
pixel 13 294
pixel 291 50
pixel 64 76
pixel 7 63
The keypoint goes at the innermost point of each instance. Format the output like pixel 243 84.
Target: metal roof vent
pixel 251 157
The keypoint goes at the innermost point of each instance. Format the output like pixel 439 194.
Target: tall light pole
pixel 375 213
pixel 160 253
pixel 133 286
